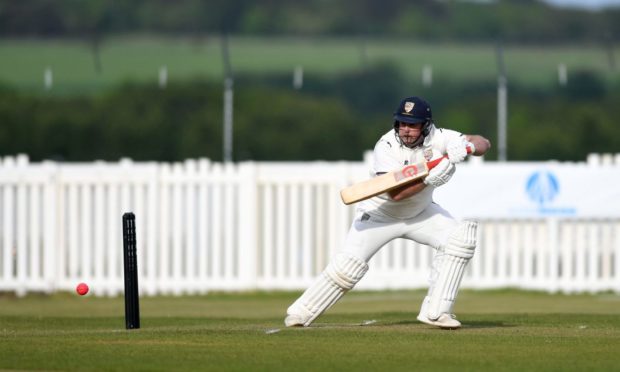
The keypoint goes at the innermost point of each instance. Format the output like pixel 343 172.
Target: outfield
pixel 139 58
pixel 503 330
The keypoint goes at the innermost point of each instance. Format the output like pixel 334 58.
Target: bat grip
pixel 433 163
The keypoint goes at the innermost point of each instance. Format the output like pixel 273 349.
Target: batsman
pixel 406 212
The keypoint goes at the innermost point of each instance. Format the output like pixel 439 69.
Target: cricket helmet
pixel 414 110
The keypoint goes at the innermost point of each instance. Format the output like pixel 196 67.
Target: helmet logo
pixel 408 106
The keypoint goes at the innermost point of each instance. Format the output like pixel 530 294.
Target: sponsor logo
pixel 410 171
pixel 542 188
pixel 407 172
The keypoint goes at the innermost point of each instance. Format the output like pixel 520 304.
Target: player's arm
pixel 481 144
pixel 407 190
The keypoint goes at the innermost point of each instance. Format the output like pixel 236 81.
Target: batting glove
pixel 440 174
pixel 457 149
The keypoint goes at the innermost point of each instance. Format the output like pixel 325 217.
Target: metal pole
pixel 228 103
pixel 502 106
pixel 228 120
pixel 502 121
pixel 611 56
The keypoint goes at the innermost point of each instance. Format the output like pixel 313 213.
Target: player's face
pixel 409 133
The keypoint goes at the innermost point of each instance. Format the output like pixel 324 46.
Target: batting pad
pixel 447 286
pixel 457 252
pixel 341 275
pixel 462 241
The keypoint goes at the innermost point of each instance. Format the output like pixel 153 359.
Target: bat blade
pixel 383 183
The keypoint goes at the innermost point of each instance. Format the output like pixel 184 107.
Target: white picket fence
pixel 204 226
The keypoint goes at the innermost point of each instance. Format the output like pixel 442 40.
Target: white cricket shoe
pixel 293 320
pixel 445 321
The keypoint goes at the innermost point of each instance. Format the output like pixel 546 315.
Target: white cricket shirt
pixel 390 155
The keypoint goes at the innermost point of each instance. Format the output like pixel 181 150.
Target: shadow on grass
pixel 466 324
pixel 481 324
pixel 487 324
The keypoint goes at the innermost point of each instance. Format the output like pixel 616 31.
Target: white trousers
pixel 369 232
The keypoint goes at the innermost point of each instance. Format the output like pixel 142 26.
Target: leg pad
pixel 457 252
pixel 341 275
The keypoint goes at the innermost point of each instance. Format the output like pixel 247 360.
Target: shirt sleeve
pixel 444 136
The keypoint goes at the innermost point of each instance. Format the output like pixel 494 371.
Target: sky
pixel 589 4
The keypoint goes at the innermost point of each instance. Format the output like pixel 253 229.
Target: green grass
pixel 139 58
pixel 503 330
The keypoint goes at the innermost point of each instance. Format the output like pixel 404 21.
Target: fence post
pixel 163 279
pixel 8 200
pixel 50 220
pixel 554 254
pixel 230 189
pixel 190 226
pixel 99 230
pixel 21 247
pixel 594 251
pixel 179 179
pixel 248 224
pixel 204 224
pixel 151 226
pixel 616 253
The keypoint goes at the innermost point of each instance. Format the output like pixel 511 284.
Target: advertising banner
pixel 532 190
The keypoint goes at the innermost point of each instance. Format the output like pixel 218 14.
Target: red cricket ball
pixel 82 289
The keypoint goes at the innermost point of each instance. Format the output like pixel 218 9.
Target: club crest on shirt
pixel 428 154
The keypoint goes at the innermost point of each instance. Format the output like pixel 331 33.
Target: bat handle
pixel 433 163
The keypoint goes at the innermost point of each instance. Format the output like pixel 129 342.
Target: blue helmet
pixel 414 110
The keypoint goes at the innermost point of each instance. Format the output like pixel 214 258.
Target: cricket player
pixel 406 212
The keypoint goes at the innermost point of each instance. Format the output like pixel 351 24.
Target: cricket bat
pixel 388 181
